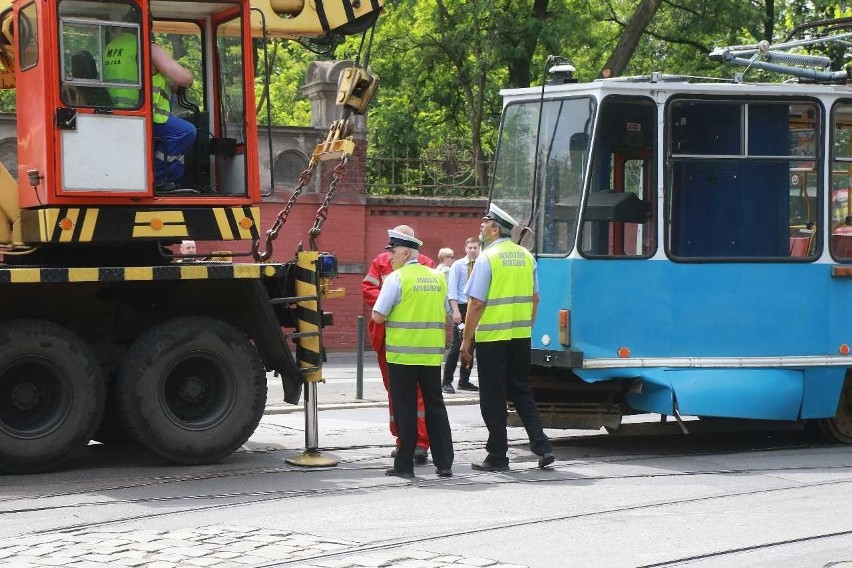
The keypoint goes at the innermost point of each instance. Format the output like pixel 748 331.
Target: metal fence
pixel 450 174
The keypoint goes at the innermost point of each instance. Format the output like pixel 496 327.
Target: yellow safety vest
pixel 160 98
pixel 121 65
pixel 415 327
pixel 508 308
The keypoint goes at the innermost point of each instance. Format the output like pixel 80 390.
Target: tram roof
pixel 674 84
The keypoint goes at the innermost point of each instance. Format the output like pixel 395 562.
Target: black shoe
pixel 444 472
pixel 421 456
pixel 545 460
pixel 402 474
pixel 487 465
pixel 468 387
pixel 165 186
pixel 448 389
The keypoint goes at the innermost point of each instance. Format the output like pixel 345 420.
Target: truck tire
pixel 112 431
pixel 192 389
pixel 51 395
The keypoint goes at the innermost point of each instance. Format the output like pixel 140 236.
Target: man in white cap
pixel 502 301
pixel 379 270
pixel 413 306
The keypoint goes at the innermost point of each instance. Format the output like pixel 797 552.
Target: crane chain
pixel 322 212
pixel 272 232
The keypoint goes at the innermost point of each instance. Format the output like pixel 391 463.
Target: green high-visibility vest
pixel 160 98
pixel 508 308
pixel 121 65
pixel 415 327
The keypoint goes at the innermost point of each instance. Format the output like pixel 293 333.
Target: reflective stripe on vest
pixel 160 98
pixel 121 65
pixel 415 327
pixel 508 308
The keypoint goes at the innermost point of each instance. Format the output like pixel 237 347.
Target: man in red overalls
pixel 370 287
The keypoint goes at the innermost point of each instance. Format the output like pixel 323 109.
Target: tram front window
pixel 548 158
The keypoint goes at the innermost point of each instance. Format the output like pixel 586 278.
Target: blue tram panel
pixel 693 243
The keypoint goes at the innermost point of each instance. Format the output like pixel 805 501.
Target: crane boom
pixel 284 19
pixel 290 19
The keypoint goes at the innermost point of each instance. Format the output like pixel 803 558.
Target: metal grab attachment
pixel 357 87
pixel 356 90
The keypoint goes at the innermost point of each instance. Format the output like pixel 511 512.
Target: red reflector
pixel 840 271
pixel 844 349
pixel 623 352
pixel 565 327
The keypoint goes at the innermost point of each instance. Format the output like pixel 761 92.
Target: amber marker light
pixel 844 349
pixel 565 327
pixel 156 224
pixel 623 352
pixel 246 223
pixel 66 224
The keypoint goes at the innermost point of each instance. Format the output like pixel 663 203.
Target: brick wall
pixel 355 231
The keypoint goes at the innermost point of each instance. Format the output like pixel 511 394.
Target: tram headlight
pixel 565 327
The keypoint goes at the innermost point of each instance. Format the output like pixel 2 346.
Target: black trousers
pixel 452 359
pixel 403 381
pixel 504 375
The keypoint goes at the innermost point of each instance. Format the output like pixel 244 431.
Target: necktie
pixel 470 268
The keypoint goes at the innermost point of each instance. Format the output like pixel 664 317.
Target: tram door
pixel 618 219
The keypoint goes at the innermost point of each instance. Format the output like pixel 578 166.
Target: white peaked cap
pixel 397 239
pixel 500 217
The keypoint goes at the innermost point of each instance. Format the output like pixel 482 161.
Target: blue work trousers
pixel 172 139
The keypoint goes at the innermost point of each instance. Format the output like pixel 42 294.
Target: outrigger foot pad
pixel 312 458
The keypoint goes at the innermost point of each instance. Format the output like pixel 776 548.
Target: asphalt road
pixel 708 499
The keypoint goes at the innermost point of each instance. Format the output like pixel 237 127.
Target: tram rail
pixel 244 498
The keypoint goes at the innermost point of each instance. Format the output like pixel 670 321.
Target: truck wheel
pixel 112 430
pixel 192 389
pixel 839 428
pixel 51 395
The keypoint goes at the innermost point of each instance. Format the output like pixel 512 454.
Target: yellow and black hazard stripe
pixel 308 316
pixel 193 271
pixel 122 224
pixel 337 13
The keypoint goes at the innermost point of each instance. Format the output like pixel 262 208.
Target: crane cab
pixel 87 140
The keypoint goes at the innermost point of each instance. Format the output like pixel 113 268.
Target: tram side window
pixel 752 190
pixel 619 216
pixel 841 182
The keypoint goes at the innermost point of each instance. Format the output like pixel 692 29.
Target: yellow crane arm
pixel 304 18
pixel 7 46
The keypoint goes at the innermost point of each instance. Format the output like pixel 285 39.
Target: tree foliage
pixel 442 63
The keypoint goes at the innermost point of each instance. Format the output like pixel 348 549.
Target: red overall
pixel 370 287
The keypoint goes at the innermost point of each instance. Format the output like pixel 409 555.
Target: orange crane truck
pixel 105 334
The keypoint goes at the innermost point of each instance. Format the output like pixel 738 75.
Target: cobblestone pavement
pixel 219 546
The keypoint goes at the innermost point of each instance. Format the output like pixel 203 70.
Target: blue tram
pixel 694 246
